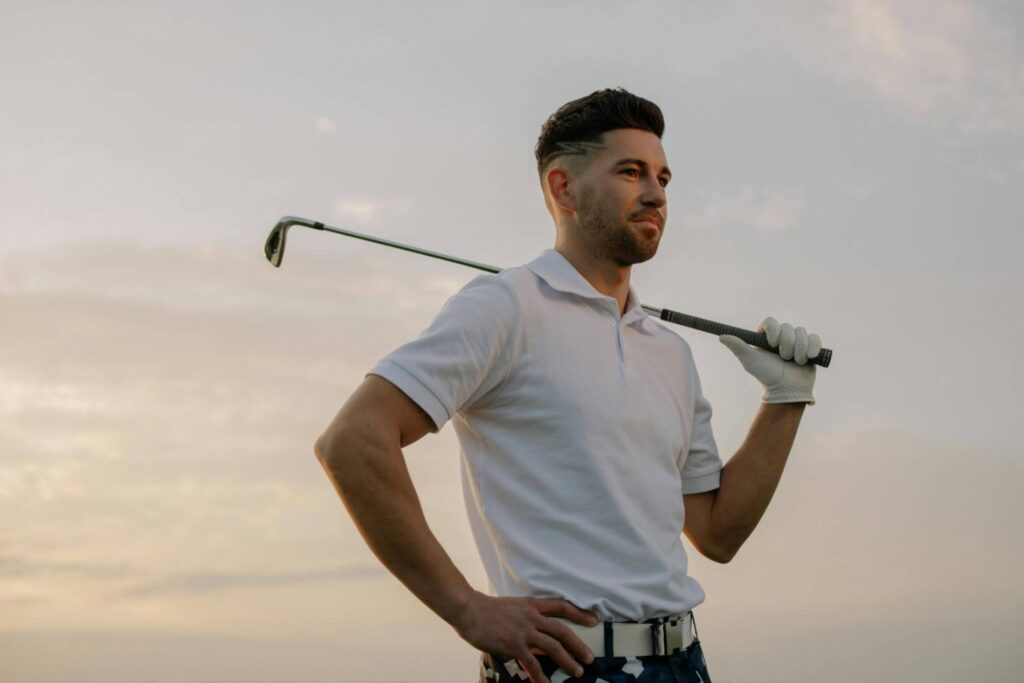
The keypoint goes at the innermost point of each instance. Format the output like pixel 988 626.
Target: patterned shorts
pixel 687 666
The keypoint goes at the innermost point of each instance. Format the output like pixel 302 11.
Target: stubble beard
pixel 610 233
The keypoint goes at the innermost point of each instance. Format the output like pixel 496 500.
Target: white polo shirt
pixel 579 432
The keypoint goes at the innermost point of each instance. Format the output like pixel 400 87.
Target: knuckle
pixel 523 652
pixel 557 651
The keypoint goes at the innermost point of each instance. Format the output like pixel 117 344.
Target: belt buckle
pixel 664 640
pixel 658 640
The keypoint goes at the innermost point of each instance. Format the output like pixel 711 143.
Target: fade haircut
pixel 573 134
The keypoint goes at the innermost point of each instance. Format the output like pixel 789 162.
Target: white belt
pixel 635 639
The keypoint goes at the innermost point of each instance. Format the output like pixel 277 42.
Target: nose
pixel 654 194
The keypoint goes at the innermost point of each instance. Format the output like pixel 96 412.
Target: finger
pixel 736 345
pixel 800 347
pixel 530 664
pixel 586 617
pixel 552 648
pixel 564 608
pixel 770 326
pixel 813 345
pixel 568 639
pixel 787 340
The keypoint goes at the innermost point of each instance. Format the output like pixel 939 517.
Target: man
pixel 586 440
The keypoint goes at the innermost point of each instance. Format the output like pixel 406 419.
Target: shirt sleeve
pixel 468 350
pixel 702 466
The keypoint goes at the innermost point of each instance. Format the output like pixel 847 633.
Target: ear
pixel 558 186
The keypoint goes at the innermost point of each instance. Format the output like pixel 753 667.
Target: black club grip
pixel 758 339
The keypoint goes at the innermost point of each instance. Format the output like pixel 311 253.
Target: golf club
pixel 274 250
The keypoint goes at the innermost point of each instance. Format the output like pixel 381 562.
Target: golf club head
pixel 274 248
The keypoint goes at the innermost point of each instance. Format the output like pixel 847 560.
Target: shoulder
pixel 487 287
pixel 508 289
pixel 486 300
pixel 519 280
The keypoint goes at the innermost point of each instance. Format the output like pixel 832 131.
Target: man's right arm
pixel 361 452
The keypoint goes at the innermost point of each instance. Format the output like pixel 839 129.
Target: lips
pixel 654 220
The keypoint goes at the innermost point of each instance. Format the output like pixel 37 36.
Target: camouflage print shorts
pixel 687 666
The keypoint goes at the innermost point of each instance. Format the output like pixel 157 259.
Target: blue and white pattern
pixel 687 666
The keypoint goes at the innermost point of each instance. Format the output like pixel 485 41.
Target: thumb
pixel 736 345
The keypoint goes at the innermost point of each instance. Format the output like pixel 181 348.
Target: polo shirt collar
pixel 561 275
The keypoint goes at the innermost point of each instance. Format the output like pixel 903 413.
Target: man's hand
pixel 518 627
pixel 784 381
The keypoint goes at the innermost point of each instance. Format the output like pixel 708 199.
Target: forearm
pixel 749 479
pixel 374 484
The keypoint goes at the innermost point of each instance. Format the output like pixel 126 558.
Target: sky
pixel 853 167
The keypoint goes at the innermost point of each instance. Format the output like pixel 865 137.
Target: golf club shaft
pixel 274 250
pixel 406 247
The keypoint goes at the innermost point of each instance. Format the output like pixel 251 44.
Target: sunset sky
pixel 854 167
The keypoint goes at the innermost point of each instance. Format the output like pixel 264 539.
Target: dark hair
pixel 588 118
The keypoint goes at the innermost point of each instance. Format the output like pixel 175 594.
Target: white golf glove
pixel 786 376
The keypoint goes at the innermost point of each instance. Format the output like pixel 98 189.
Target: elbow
pixel 720 553
pixel 320 448
pixel 326 449
pixel 721 556
pixel 330 453
pixel 709 546
pixel 342 449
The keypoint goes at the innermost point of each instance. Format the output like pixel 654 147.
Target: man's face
pixel 623 186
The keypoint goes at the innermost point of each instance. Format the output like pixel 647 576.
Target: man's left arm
pixel 719 521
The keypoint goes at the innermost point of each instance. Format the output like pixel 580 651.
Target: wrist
pixel 784 410
pixel 461 606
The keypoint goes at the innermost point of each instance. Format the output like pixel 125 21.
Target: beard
pixel 610 233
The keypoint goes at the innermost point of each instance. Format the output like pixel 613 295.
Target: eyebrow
pixel 641 163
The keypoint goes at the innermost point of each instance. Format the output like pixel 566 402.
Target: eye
pixel 631 170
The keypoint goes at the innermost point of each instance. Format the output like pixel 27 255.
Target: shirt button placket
pixel 618 338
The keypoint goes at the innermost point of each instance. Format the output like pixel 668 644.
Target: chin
pixel 646 257
pixel 635 256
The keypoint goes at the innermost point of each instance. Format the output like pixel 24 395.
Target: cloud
pixel 359 209
pixel 60 396
pixel 20 600
pixel 164 403
pixel 765 210
pixel 162 581
pixel 17 566
pixel 366 211
pixel 208 582
pixel 324 124
pixel 133 281
pixel 944 61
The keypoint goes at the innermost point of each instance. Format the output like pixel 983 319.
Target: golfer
pixel 585 437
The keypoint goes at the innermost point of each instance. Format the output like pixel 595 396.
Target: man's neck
pixel 607 277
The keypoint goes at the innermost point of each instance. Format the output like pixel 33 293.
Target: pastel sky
pixel 854 167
